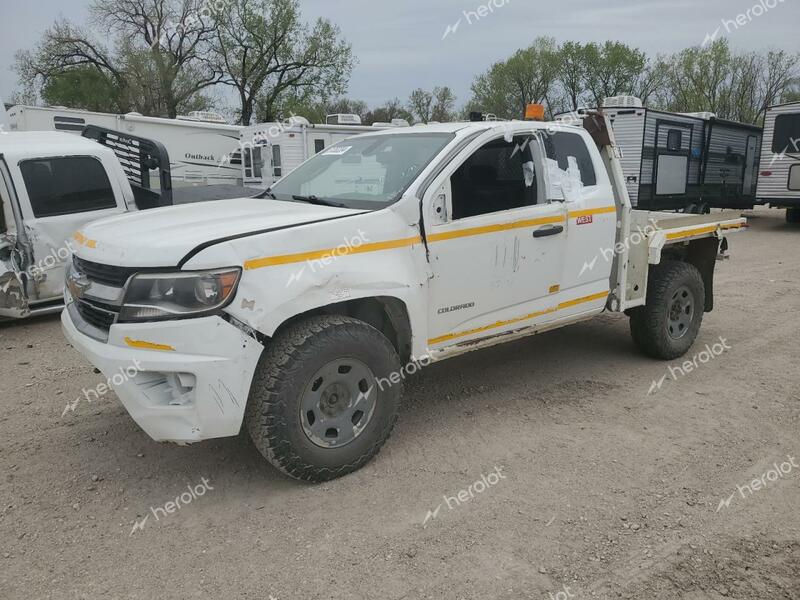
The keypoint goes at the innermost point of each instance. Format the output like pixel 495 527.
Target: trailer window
pixel 794 178
pixel 787 134
pixel 277 169
pixel 319 146
pixel 674 140
pixel 68 123
pixel 64 186
pixel 499 176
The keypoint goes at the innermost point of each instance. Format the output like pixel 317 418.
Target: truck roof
pixel 467 127
pixel 19 145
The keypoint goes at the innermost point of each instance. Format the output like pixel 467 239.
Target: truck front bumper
pixel 181 381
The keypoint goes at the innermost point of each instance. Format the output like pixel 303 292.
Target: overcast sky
pixel 400 47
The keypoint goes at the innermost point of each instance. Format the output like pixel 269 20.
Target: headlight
pixel 159 296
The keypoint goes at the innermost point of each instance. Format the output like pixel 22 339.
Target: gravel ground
pixel 590 486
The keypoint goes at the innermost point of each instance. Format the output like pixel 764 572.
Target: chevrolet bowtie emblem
pixel 78 284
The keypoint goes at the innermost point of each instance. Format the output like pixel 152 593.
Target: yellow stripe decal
pixel 693 232
pixel 703 230
pixel 272 261
pixel 562 306
pixel 592 211
pixel 148 345
pixel 287 259
pixel 459 233
pixel 84 241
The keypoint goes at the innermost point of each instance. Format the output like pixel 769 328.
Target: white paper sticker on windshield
pixel 337 150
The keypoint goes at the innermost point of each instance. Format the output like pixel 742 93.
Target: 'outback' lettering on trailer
pixel 210 157
pixel 444 311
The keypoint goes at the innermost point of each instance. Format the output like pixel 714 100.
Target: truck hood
pixel 162 237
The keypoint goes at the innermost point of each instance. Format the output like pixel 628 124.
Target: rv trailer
pixel 690 162
pixel 779 180
pixel 270 151
pixel 196 143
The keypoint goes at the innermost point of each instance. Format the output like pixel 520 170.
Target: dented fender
pixel 371 255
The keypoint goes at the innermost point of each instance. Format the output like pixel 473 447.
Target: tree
pixel 573 72
pixel 316 111
pixel 444 104
pixel 438 105
pixel 393 109
pixel 82 87
pixel 528 76
pixel 739 87
pixel 155 58
pixel 420 105
pixel 270 56
pixel 612 69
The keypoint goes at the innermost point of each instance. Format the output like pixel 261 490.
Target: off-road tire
pixel 285 369
pixel 793 215
pixel 649 323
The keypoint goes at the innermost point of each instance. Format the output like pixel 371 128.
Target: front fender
pixel 292 272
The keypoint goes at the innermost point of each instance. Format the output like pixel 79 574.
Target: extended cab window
pixel 499 176
pixel 63 186
pixel 568 160
pixel 787 134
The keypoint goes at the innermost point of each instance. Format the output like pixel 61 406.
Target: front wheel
pixel 668 325
pixel 322 403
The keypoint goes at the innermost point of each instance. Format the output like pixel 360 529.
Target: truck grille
pixel 97 315
pixel 105 274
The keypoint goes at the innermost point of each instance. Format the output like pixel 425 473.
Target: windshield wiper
pixel 267 193
pixel 312 199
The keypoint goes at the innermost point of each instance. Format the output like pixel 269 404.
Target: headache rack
pixel 145 162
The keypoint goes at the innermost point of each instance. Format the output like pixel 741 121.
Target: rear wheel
pixel 793 215
pixel 668 325
pixel 316 410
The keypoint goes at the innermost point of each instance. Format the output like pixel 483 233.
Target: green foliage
pixel 272 58
pixel 81 87
pixel 438 105
pixel 528 76
pixel 393 109
pixel 573 75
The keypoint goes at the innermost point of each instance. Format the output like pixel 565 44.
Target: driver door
pixel 496 243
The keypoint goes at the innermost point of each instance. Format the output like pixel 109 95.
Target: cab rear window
pixel 67 185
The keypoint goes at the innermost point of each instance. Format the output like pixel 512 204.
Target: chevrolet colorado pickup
pixel 299 314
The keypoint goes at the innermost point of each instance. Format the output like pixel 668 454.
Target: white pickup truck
pixel 52 184
pixel 300 314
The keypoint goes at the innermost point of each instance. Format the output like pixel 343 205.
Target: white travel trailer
pixel 779 183
pixel 270 151
pixel 196 143
pixel 690 162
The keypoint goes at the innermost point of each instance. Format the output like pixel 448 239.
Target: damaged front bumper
pixel 181 381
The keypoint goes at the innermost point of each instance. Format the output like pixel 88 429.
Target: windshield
pixel 369 171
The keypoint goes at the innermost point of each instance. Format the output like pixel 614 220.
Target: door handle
pixel 547 231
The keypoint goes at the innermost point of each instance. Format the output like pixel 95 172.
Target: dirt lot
pixel 589 485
